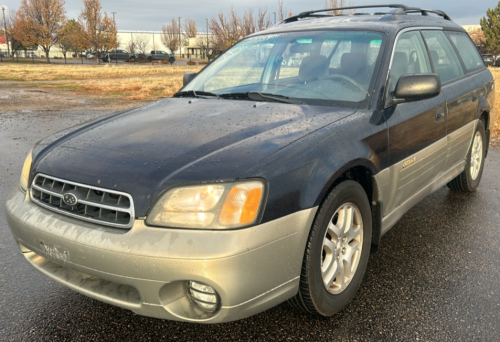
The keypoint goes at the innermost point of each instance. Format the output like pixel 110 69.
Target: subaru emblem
pixel 70 199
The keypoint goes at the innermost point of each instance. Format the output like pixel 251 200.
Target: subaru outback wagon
pixel 259 183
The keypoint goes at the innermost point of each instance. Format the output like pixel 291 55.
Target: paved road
pixel 435 278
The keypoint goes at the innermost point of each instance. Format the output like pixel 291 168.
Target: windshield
pixel 315 67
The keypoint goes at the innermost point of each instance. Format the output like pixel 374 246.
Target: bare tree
pixel 281 11
pixel 142 42
pixel 225 31
pixel 263 20
pixel 190 30
pixel 251 23
pixel 7 20
pixel 247 23
pixel 170 35
pixel 477 36
pixel 98 31
pixel 131 46
pixel 40 22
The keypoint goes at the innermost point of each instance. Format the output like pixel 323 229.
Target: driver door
pixel 417 130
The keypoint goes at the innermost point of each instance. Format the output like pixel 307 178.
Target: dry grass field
pixel 496 125
pixel 129 82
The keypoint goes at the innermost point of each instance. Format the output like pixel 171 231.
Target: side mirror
pixel 416 87
pixel 188 77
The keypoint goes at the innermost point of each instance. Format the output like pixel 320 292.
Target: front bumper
pixel 145 269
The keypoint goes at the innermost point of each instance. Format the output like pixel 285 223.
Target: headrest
pixel 434 56
pixel 400 60
pixel 351 63
pixel 313 68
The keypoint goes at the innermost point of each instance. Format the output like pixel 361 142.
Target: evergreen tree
pixel 491 28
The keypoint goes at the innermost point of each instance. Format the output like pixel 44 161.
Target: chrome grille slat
pixel 97 205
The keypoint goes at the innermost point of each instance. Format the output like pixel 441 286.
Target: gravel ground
pixel 436 276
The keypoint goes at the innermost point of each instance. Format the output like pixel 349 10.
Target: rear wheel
pixel 150 59
pixel 470 178
pixel 337 251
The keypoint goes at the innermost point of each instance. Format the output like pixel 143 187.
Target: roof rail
pixel 402 8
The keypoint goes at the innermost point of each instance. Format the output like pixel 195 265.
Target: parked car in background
pixel 487 59
pixel 256 184
pixel 3 54
pixel 497 62
pixel 113 55
pixel 90 55
pixel 31 54
pixel 82 54
pixel 138 57
pixel 160 55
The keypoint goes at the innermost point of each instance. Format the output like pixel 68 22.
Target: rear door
pixel 461 90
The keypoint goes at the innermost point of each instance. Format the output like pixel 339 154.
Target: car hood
pixel 151 148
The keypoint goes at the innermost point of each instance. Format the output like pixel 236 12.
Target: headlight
pixel 210 206
pixel 25 174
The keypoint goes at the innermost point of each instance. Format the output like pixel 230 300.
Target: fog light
pixel 204 296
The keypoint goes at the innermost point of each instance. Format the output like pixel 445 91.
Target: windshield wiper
pixel 273 97
pixel 256 96
pixel 192 93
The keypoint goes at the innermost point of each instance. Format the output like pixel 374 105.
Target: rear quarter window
pixel 467 51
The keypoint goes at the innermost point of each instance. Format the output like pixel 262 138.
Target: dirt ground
pixel 18 97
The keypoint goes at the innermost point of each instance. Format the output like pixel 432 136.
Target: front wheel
pixel 171 60
pixel 337 251
pixel 470 178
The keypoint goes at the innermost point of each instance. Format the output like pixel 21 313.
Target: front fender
pixel 302 173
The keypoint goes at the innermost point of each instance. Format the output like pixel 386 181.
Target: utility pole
pixel 114 22
pixel 179 36
pixel 274 18
pixel 5 30
pixel 208 59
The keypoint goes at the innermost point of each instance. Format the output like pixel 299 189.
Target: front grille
pixel 102 206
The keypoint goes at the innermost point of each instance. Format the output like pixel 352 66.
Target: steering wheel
pixel 348 79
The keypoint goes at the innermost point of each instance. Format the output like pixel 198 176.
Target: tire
pixel 171 60
pixel 150 59
pixel 327 244
pixel 470 178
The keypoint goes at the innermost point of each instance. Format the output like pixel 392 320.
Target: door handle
pixel 440 114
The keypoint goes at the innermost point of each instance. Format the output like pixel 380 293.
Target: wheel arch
pixel 361 171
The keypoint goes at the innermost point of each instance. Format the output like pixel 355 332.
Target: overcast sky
pixel 150 15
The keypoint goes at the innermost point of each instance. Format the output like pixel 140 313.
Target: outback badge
pixel 409 162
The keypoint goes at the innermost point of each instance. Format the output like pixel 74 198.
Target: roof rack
pixel 400 9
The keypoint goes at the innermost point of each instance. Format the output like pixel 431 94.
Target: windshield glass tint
pixel 317 67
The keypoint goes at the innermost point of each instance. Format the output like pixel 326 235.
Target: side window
pixel 467 51
pixel 445 61
pixel 410 57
